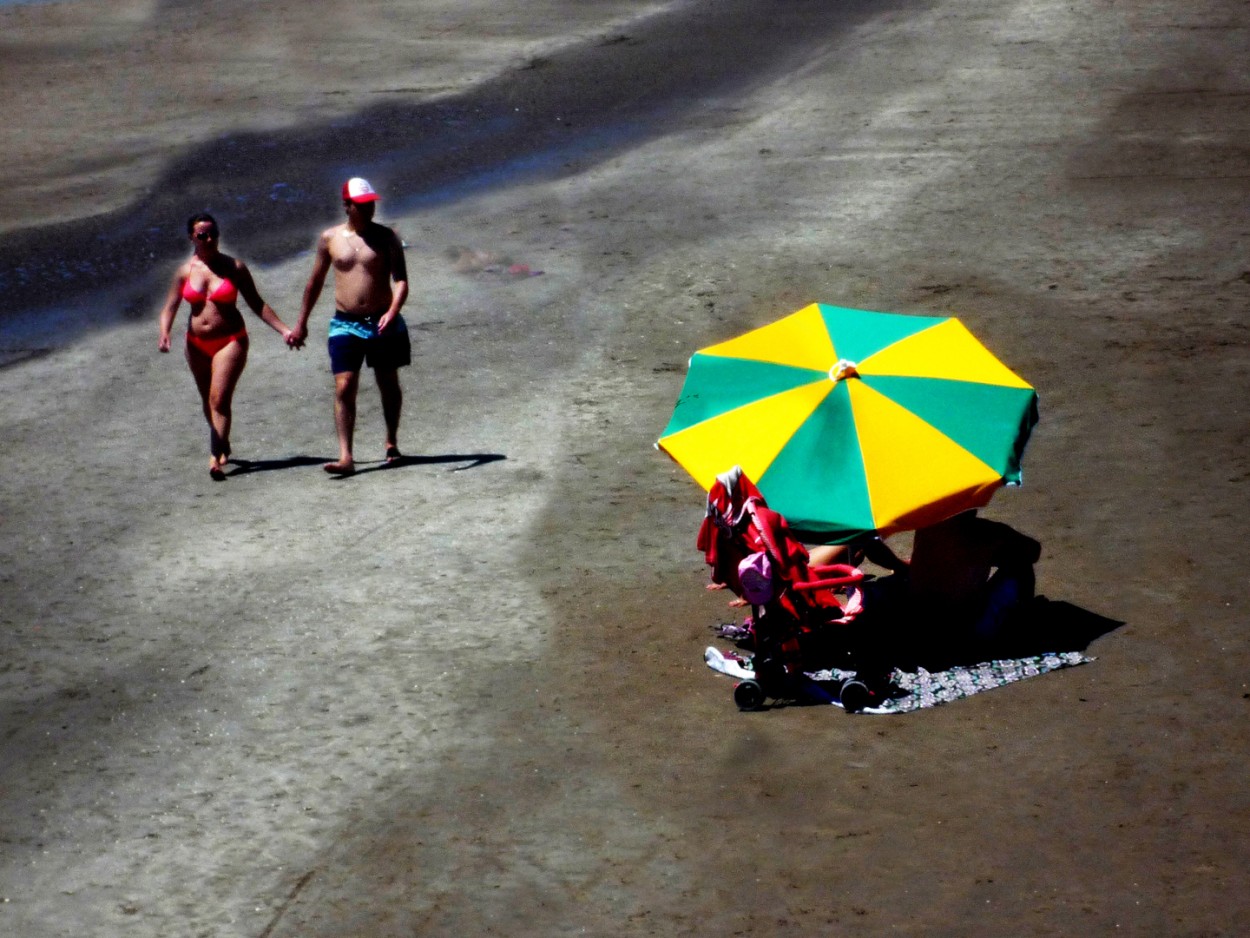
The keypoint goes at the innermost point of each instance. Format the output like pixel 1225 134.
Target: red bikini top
pixel 225 292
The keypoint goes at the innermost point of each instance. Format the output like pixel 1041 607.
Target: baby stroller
pixel 800 614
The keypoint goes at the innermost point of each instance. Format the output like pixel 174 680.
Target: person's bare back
pixel 951 561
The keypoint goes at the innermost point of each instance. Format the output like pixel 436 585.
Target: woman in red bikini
pixel 212 282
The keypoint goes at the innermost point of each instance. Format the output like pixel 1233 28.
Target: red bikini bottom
pixel 211 346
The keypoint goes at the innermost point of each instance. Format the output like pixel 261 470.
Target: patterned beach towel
pixel 920 689
pixel 930 688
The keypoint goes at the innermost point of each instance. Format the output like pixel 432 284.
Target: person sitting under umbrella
pixel 972 573
pixel 965 579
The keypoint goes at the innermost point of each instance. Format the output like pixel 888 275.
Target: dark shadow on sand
pixel 471 460
pixel 15 356
pixel 1040 627
pixel 1046 626
pixel 240 467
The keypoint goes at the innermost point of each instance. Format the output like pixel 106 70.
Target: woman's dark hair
pixel 197 218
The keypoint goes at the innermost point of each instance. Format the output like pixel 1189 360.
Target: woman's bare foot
pixel 344 467
pixel 215 469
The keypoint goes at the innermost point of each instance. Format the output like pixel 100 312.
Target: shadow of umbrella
pixel 1055 625
pixel 1039 627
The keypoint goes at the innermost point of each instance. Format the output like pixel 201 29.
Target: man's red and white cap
pixel 358 190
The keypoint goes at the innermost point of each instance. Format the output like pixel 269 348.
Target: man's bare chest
pixel 350 250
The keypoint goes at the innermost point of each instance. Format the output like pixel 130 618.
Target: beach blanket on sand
pixel 918 689
pixel 930 688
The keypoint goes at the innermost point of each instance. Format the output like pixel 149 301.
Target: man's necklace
pixel 347 234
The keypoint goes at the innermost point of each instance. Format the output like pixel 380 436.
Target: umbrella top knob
pixel 843 369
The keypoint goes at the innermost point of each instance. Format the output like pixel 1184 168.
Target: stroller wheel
pixel 748 695
pixel 855 695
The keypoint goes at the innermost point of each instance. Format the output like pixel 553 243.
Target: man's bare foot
pixel 393 455
pixel 344 467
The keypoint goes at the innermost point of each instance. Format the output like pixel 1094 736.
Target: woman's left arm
pixel 247 289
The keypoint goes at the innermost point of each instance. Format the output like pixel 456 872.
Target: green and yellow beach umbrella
pixel 852 421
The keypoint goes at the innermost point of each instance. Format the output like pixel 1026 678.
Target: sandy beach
pixel 466 696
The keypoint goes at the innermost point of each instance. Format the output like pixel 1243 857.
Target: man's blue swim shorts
pixel 355 340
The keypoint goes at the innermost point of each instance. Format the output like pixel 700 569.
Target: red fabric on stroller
pixel 807 614
pixel 813 593
pixel 726 535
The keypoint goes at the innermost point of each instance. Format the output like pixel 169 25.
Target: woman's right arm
pixel 170 309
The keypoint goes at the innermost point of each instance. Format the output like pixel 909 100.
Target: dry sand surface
pixel 466 696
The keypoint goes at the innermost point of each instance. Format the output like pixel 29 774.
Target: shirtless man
pixel 370 287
